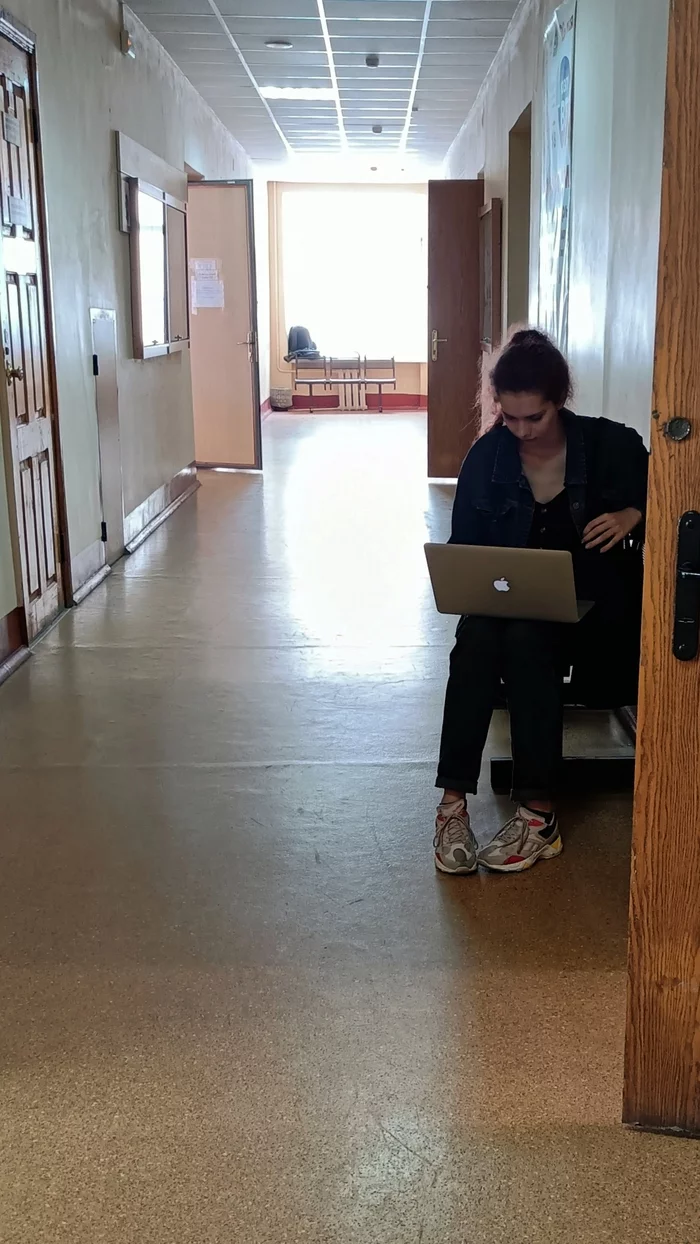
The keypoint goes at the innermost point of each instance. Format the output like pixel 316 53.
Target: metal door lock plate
pixel 686 622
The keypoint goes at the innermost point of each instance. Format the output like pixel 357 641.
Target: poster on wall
pixel 555 234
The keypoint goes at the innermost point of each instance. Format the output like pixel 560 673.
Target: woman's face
pixel 528 416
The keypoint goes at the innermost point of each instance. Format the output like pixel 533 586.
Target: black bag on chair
pixel 300 345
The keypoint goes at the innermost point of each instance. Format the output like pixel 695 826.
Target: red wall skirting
pixel 13 643
pixel 12 634
pixel 392 401
pixel 397 401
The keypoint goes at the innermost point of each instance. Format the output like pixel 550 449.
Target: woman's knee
pixel 528 639
pixel 476 638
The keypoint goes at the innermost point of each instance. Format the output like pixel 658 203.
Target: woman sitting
pixel 541 477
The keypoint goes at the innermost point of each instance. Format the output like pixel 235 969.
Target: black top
pixel 552 525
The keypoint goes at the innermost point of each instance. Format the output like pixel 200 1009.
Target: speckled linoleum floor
pixel 238 1006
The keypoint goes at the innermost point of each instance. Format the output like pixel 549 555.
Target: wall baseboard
pixel 85 567
pixel 13 642
pixel 90 584
pixel 12 663
pixel 320 401
pixel 143 521
pixel 265 408
pixel 397 401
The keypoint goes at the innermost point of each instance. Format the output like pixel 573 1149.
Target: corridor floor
pixel 238 1004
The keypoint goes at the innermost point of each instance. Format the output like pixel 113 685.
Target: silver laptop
pixel 536 584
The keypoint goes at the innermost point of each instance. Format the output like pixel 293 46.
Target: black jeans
pixel 530 659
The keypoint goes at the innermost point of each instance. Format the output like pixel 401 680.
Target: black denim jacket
pixel 606 470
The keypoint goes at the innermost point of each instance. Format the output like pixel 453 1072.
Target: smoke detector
pixel 372 61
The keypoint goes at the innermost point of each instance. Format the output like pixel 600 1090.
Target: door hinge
pixel 103 536
pixel 95 365
pixel 686 621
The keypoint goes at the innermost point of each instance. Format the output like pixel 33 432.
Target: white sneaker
pixel 526 838
pixel 456 847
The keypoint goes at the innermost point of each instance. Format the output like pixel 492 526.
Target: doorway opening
pixel 518 220
pixel 349 313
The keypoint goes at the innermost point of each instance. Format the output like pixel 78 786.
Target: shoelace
pixel 514 830
pixel 454 830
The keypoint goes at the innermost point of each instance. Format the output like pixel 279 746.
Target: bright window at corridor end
pixel 354 269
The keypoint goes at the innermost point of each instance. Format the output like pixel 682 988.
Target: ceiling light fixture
pixel 279 45
pixel 297 92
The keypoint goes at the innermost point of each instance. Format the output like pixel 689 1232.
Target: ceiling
pixel 433 54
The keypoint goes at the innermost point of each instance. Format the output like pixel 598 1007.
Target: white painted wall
pixel 262 276
pixel 88 90
pixel 619 91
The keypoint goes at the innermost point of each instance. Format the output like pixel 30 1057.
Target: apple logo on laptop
pixel 501 585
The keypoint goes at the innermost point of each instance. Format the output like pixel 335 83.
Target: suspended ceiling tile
pixel 451 9
pixel 248 29
pixel 147 9
pixel 373 32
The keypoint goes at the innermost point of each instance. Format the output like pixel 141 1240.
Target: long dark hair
pixel 528 362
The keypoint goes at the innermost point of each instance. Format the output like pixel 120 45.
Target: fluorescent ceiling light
pixel 297 92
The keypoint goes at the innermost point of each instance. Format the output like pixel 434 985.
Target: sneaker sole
pixel 549 852
pixel 463 871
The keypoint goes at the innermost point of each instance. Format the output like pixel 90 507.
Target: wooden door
pixel 104 363
pixel 454 338
pixel 223 326
pixel 27 408
pixel 662 1072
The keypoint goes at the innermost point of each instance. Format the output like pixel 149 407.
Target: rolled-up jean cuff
pixel 465 786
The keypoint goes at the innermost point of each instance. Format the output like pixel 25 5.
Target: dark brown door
pixel 28 411
pixel 454 338
pixel 662 1073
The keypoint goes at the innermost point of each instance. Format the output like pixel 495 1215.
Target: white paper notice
pixel 205 267
pixel 207 285
pixel 208 292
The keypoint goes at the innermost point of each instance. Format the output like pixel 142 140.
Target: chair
pixel 387 379
pixel 302 377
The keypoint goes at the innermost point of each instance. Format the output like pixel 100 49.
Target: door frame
pixel 25 39
pixel 661 1079
pixel 247 183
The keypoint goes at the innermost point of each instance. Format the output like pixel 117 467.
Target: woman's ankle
pixel 454 796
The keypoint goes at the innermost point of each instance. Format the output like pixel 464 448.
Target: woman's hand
pixel 610 529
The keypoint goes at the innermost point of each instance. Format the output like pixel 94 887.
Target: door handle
pixel 686 620
pixel 14 373
pixel 250 343
pixel 436 341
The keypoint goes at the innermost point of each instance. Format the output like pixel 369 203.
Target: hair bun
pixel 529 337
